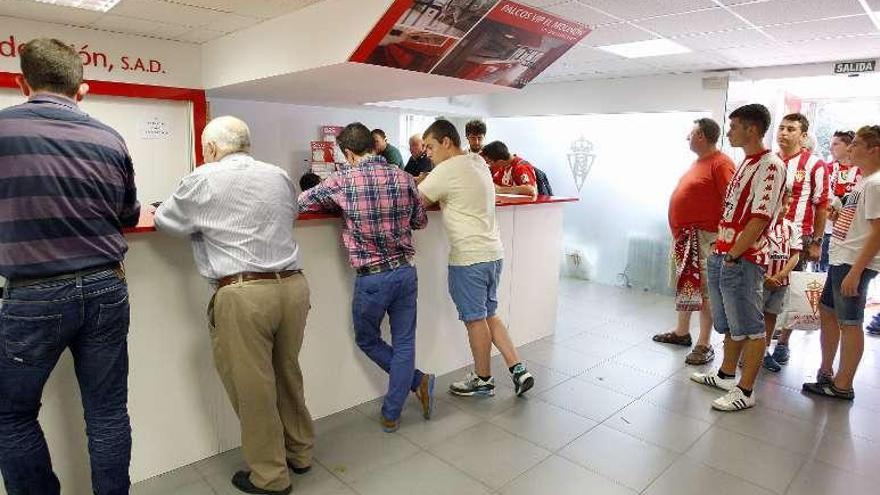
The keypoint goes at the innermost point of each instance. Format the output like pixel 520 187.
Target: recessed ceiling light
pixel 650 48
pixel 99 5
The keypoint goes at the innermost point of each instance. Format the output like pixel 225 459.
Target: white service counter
pixel 179 410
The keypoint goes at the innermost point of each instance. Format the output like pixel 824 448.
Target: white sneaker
pixel 735 400
pixel 712 379
pixel 473 385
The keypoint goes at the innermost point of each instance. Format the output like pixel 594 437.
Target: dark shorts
pixel 849 310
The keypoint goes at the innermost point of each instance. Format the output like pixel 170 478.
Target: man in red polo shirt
pixel 511 174
pixel 694 212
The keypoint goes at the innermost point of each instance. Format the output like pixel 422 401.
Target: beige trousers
pixel 257 331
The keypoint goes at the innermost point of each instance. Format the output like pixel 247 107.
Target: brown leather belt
pixel 248 276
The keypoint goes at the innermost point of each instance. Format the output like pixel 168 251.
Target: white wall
pixel 624 199
pixel 281 133
pixel 664 93
pixel 180 62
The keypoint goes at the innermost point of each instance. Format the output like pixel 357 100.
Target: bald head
pixel 224 136
pixel 416 145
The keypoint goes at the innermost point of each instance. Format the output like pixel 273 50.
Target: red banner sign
pixel 492 41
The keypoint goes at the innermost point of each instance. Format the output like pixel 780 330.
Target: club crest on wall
pixel 580 160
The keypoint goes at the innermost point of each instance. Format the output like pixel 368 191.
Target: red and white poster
pixel 322 151
pixel 492 41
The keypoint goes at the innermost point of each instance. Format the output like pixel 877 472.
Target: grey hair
pixel 229 134
pixel 415 137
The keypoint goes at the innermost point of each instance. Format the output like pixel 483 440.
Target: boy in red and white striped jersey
pixel 807 177
pixel 783 253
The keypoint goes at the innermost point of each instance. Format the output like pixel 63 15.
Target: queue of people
pixel 767 215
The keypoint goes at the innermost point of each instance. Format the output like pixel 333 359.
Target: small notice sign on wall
pixel 855 66
pixel 155 128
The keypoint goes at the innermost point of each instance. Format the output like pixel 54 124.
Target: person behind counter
pixel 510 173
pixel 461 184
pixel 475 132
pixel 419 164
pixel 380 208
pixel 308 181
pixel 258 313
pixel 67 185
pixel 385 149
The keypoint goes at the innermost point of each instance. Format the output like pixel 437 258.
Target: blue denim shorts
pixel 474 289
pixel 774 300
pixel 736 297
pixel 849 310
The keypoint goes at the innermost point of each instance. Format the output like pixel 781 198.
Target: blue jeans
pixel 90 316
pixel 736 297
pixel 395 293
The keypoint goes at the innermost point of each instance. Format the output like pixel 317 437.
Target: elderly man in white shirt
pixel 239 214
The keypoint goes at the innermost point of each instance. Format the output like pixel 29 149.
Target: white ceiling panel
pixel 634 9
pixel 171 13
pixel 616 33
pixel 781 11
pixel 703 21
pixel 830 28
pixel 200 35
pixel 690 60
pixel 28 9
pixel 130 25
pixel 576 11
pixel 723 39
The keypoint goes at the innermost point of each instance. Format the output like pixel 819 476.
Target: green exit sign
pixel 855 66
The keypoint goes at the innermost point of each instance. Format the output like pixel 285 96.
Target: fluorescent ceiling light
pixel 650 48
pixel 99 5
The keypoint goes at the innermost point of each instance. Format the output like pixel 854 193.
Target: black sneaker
pixel 829 390
pixel 242 481
pixel 522 379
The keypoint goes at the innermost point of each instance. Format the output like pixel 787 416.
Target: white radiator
pixel 647 264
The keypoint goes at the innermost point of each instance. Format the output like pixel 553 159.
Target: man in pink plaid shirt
pixel 380 208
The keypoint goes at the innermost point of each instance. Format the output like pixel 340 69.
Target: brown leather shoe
pixel 672 338
pixel 390 425
pixel 701 354
pixel 425 393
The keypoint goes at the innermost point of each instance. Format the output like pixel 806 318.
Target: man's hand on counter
pixel 527 190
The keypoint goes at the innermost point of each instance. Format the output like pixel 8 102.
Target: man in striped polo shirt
pixel 807 177
pixel 66 191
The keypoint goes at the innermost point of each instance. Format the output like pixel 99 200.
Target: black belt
pixel 385 266
pixel 23 282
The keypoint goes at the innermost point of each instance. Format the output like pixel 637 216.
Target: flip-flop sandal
pixel 672 338
pixel 828 390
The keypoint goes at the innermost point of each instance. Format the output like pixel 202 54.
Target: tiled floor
pixel 612 413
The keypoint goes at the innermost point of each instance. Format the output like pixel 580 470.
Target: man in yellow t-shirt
pixel 462 185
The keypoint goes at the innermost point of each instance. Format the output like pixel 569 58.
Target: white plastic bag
pixel 801 310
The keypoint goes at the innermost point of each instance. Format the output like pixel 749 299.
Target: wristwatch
pixel 807 240
pixel 730 259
